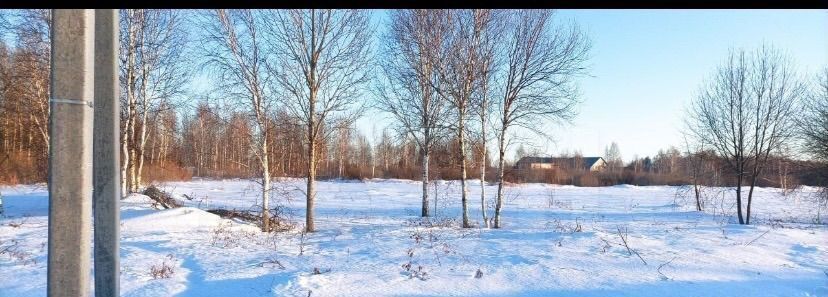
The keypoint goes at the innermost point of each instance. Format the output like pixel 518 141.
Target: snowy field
pixel 556 241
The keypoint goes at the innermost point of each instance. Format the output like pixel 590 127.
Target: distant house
pixel 583 163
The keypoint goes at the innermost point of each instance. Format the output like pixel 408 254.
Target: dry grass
pixel 163 270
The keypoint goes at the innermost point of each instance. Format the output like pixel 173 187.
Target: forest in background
pixel 183 135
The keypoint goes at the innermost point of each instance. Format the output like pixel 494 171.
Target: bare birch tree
pixel 130 36
pixel 413 48
pixel 490 23
pixel 541 64
pixel 153 72
pixel 236 49
pixel 460 77
pixel 324 57
pixel 746 112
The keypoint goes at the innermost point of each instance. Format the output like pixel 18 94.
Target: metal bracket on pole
pixel 72 101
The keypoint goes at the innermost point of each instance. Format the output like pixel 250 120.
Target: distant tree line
pixel 674 167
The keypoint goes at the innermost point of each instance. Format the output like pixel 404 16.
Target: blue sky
pixel 647 64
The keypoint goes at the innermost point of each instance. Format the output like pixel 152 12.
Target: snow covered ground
pixel 556 241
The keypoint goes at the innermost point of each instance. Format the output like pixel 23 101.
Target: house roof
pixel 587 162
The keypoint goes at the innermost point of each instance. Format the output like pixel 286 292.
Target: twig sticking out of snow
pixel 273 261
pixel 8 248
pixel 757 238
pixel 303 238
pixel 623 236
pixel 664 277
pixel 14 252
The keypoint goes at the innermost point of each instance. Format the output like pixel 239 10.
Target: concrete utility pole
pixel 70 154
pixel 106 167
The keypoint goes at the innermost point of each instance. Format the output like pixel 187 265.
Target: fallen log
pixel 161 198
pixel 246 216
pixel 277 223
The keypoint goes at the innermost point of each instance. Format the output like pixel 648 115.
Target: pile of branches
pixel 277 222
pixel 161 198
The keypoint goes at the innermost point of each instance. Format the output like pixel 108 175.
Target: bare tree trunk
pixel 133 187
pixel 311 194
pixel 341 164
pixel 464 194
pixel 500 173
pixel 483 164
pixel 130 106
pixel 141 140
pixel 140 169
pixel 425 182
pixel 265 188
pixel 124 165
pixel 483 195
pixel 750 197
pixel 696 164
pixel 140 155
pixel 739 198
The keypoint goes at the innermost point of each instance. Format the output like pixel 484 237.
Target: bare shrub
pixel 478 274
pixel 411 270
pixel 223 236
pixel 566 227
pixel 429 222
pixel 162 270
pixel 11 248
pixel 303 240
pixel 426 240
pixel 551 202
